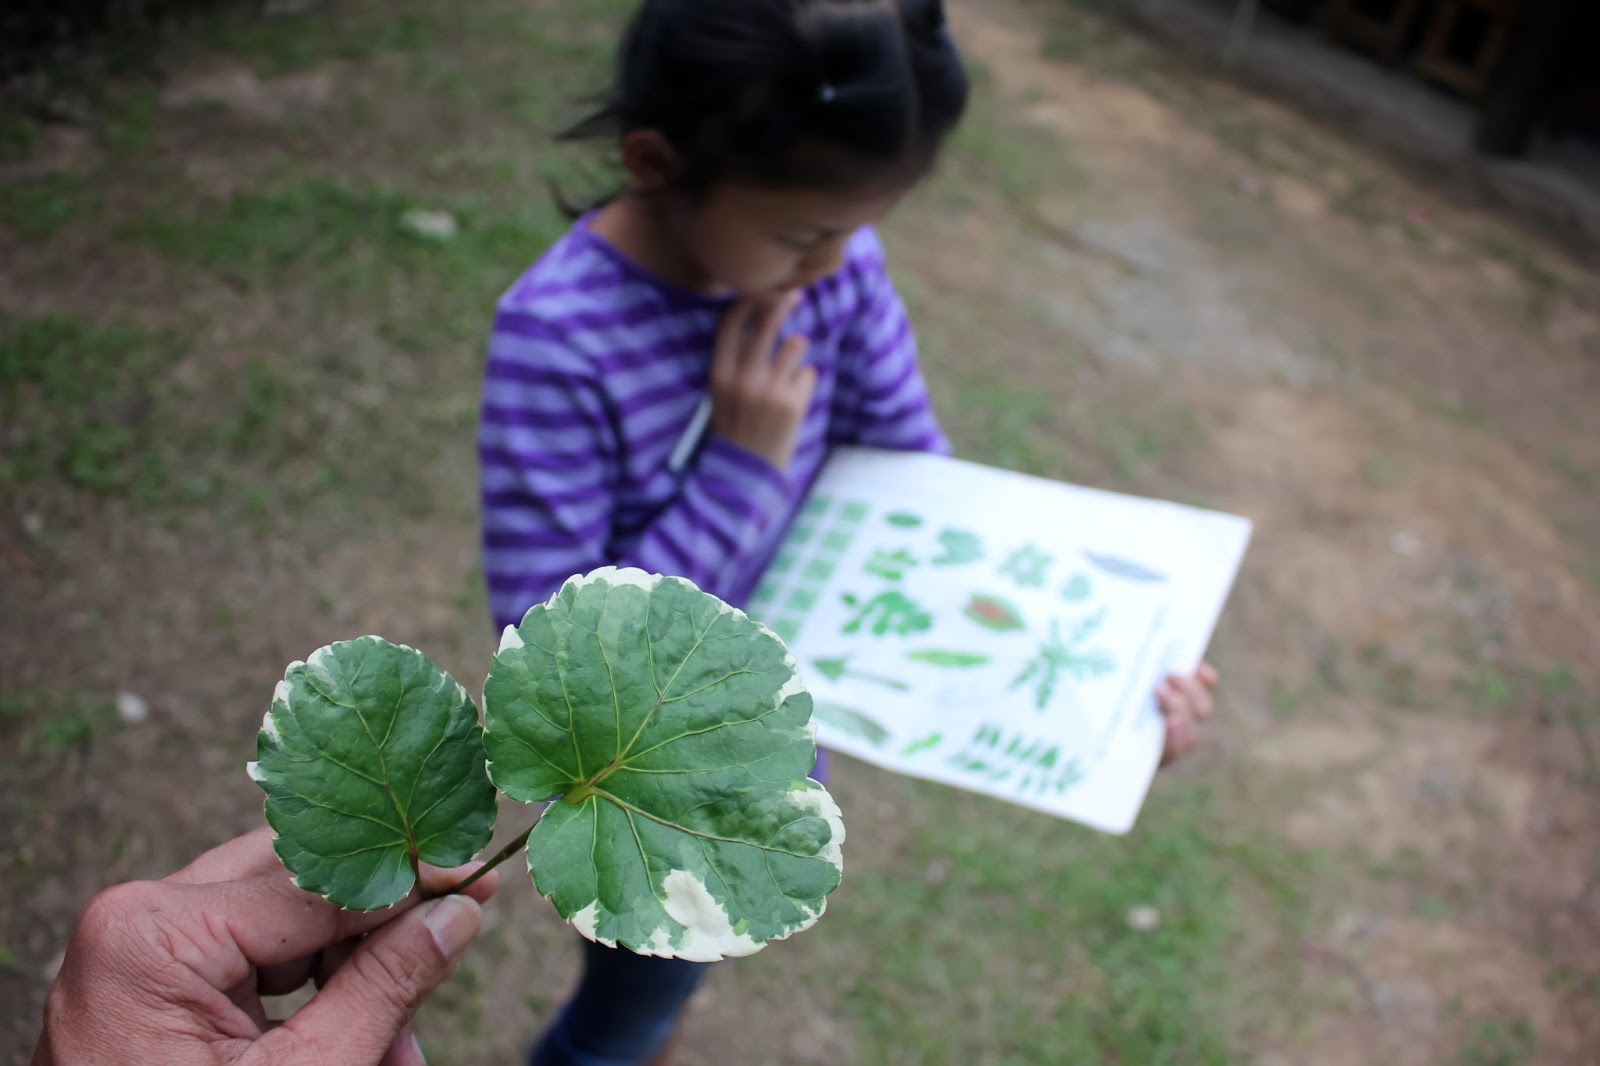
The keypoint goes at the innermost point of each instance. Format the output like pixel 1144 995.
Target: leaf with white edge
pixel 679 737
pixel 372 759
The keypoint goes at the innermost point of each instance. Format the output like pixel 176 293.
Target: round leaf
pixel 372 759
pixel 677 732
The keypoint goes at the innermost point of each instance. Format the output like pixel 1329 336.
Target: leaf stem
pixel 416 871
pixel 501 856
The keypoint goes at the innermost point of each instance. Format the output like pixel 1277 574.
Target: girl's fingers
pixel 1192 694
pixel 805 386
pixel 791 355
pixel 1180 738
pixel 774 313
pixel 731 335
pixel 1208 675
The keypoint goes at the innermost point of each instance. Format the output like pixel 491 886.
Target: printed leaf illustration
pixel 1027 566
pixel 951 660
pixel 372 759
pixel 838 669
pixel 927 743
pixel 1078 589
pixel 904 520
pixel 960 547
pixel 1064 656
pixel 852 722
pixel 1124 569
pixel 678 736
pixel 891 566
pixel 890 612
pixel 992 612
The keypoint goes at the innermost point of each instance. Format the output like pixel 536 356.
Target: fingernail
pixel 416 1045
pixel 454 922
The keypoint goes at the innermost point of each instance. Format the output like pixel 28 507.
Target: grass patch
pixel 352 240
pixel 18 136
pixel 39 208
pixel 129 121
pixel 1031 957
pixel 1006 156
pixel 1498 1042
pixel 395 319
pixel 1085 33
pixel 77 398
pixel 1011 425
pixel 297 42
pixel 35 725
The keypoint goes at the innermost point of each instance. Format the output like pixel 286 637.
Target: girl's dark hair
pixel 817 93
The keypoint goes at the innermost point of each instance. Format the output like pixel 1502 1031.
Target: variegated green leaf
pixel 372 760
pixel 677 733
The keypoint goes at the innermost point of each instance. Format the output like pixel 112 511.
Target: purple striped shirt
pixel 595 370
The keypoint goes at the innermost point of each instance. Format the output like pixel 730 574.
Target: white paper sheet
pixel 997 632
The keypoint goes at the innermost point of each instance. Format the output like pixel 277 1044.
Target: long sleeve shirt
pixel 596 369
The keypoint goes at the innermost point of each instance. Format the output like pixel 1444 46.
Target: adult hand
pixel 759 397
pixel 1186 703
pixel 173 971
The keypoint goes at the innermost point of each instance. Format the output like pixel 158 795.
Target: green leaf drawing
pixel 1078 589
pixel 887 613
pixel 959 548
pixel 927 743
pixel 677 733
pixel 372 760
pixel 1027 566
pixel 838 669
pixel 904 520
pixel 852 722
pixel 891 566
pixel 1030 764
pixel 994 613
pixel 950 660
pixel 1065 656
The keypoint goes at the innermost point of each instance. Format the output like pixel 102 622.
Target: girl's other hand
pixel 759 396
pixel 1186 702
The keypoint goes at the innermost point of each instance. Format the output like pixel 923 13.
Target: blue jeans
pixel 624 1010
pixel 626 1005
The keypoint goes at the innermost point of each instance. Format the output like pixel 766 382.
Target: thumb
pixel 364 1005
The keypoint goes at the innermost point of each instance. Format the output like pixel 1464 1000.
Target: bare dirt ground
pixel 1126 275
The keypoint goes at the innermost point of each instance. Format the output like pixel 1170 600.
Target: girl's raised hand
pixel 760 396
pixel 1186 702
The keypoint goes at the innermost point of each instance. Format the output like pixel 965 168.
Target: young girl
pixel 761 140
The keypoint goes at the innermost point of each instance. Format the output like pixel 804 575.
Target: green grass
pixel 352 240
pixel 1013 423
pixel 18 136
pixel 1499 1042
pixel 37 208
pixel 1085 33
pixel 1027 951
pixel 1010 158
pixel 37 725
pixel 76 397
pixel 129 121
pixel 297 42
